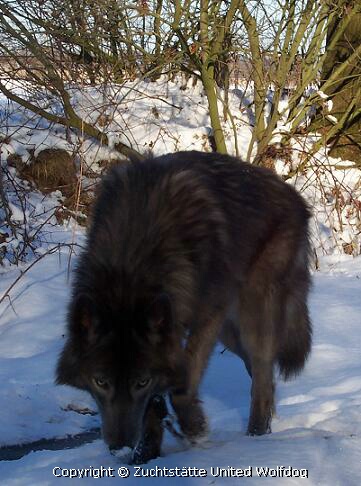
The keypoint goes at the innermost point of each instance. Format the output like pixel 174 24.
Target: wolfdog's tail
pixel 296 337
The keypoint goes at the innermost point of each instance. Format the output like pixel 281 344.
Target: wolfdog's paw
pixel 259 428
pixel 201 438
pixel 193 423
pixel 197 429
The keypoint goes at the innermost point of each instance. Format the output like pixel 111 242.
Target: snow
pixel 167 116
pixel 322 95
pixel 332 118
pixel 317 426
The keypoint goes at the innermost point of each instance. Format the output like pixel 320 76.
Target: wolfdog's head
pixel 123 358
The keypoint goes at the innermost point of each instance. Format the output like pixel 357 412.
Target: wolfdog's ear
pixel 83 317
pixel 160 313
pixel 67 369
pixel 81 331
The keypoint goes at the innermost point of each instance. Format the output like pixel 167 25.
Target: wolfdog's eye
pixel 142 383
pixel 100 381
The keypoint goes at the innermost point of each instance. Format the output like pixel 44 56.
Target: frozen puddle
pixel 15 452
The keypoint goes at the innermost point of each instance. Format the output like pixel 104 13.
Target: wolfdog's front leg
pixel 185 400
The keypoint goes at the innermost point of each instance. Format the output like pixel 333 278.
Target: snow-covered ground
pixel 318 422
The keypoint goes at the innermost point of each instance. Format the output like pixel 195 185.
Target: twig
pixel 23 272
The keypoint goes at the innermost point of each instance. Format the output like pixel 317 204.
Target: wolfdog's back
pixel 204 227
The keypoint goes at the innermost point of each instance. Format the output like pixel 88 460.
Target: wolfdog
pixel 185 250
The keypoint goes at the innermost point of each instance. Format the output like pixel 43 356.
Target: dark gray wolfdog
pixel 185 250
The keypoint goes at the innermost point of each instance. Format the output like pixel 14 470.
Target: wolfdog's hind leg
pixel 262 405
pixel 257 319
pixel 150 444
pixel 230 337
